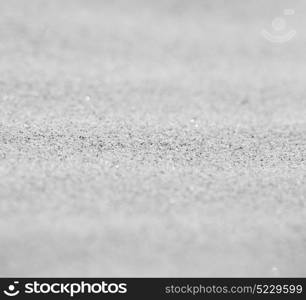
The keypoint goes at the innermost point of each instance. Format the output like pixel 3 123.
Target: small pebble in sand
pixel 275 271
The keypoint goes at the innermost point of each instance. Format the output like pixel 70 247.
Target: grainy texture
pixel 151 138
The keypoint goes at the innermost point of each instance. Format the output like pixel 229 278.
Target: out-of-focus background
pixel 152 138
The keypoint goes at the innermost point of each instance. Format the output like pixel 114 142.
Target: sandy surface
pixel 141 139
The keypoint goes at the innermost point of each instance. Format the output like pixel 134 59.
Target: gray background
pixel 151 138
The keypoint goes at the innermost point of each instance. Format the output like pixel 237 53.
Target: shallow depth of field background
pixel 151 138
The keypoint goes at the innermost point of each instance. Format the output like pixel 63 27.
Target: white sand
pixel 141 139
